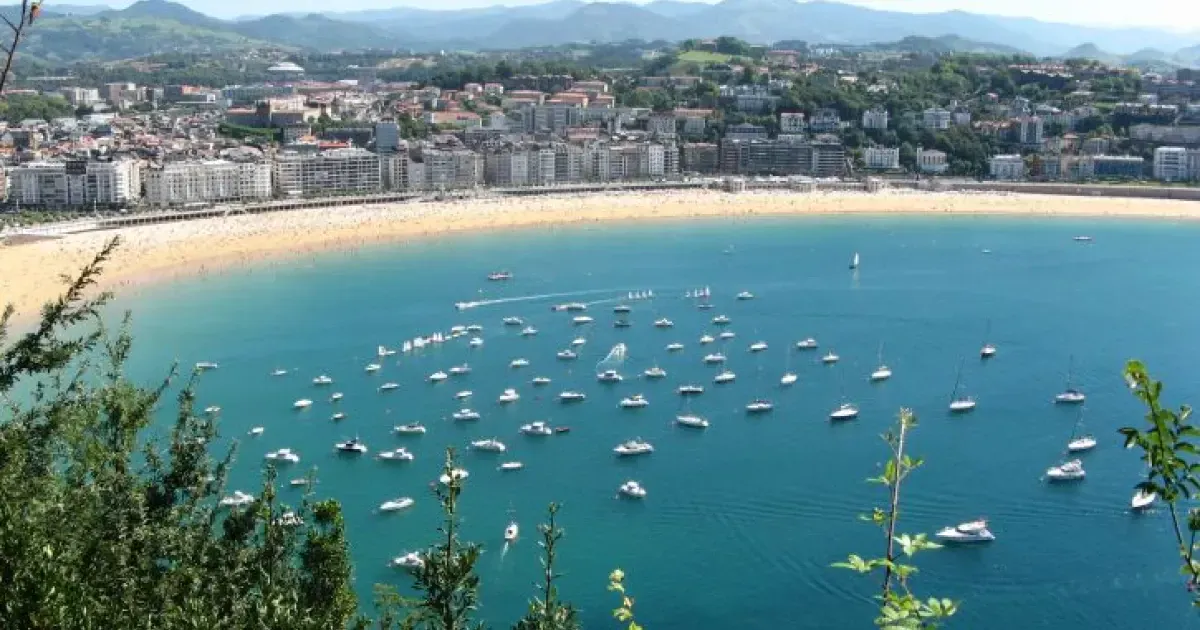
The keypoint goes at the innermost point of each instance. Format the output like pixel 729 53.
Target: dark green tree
pixel 547 611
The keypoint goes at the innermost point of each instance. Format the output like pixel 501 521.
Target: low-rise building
pixel 875 119
pixel 932 161
pixel 1119 166
pixel 879 158
pixel 1172 164
pixel 1007 167
pixel 825 121
pixel 791 122
pixel 936 119
pixel 746 131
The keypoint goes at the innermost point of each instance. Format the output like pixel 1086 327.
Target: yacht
pixel 745 295
pixel 412 428
pixel 206 365
pixel 500 275
pixel 758 346
pixel 279 372
pixel 373 367
pixel 567 355
pixel 475 342
pixel 706 339
pixel 1067 471
pixel 511 532
pixel 704 306
pixel 458 331
pixel 692 421
pixel 519 363
pixel 438 376
pixel 634 401
pixel 395 505
pixel 690 390
pixel 303 403
pixel 728 334
pixel 399 455
pixel 352 445
pixel 621 309
pixel 1143 499
pixel 387 387
pixel 383 351
pixel 283 455
pixel 322 380
pixel 969 532
pixel 493 445
pixel 457 474
pixel 579 320
pixel 959 403
pixel 466 393
pixel 622 323
pixel 1070 395
pixel 465 414
pixel 459 370
pixel 609 376
pixel 237 499
pixel 1082 239
pixel 509 395
pixel 881 373
pixel 1081 443
pixel 540 380
pixel 807 344
pixel 299 481
pixel 561 430
pixel 338 416
pixel 256 431
pixel 987 351
pixel 410 560
pixel 633 490
pixel 655 372
pixel 633 447
pixel 212 410
pixel 714 358
pixel 726 376
pixel 720 320
pixel 474 328
pixel 513 321
pixel 536 428
pixel 578 341
pixel 846 411
pixel 788 378
pixel 759 406
pixel 663 323
pixel 528 331
pixel 830 358
pixel 406 347
pixel 336 396
pixel 572 397
pixel 509 466
pixel 674 347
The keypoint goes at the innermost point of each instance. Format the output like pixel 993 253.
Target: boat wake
pixel 462 306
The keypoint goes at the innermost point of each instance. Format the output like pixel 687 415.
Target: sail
pixel 614 358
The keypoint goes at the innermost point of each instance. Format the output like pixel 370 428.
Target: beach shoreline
pixel 157 253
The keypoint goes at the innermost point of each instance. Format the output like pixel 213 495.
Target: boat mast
pixel 957 381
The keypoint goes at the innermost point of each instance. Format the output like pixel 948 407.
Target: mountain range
pixel 68 32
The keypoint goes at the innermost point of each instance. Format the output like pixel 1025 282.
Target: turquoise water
pixel 742 520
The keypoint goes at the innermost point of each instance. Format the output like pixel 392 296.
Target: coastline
pixel 160 252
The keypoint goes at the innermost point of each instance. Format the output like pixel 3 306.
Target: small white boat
pixel 706 339
pixel 969 532
pixel 728 334
pixel 511 532
pixel 578 341
pixel 212 410
pixel 206 365
pixel 714 358
pixel 498 276
pixel 726 376
pixel 1082 239
pixel 387 387
pixel 720 320
pixel 508 396
pixel 475 342
pixel 336 397
pixel 655 372
pixel 237 499
pixel 303 403
pixel 745 295
pixel 663 323
pixel 582 319
pixel 395 505
pixel 256 431
pixel 458 331
pixel 353 445
pixel 830 358
pixel 279 372
pixel 960 405
pixel 519 363
pixel 759 406
pixel 410 560
pixel 621 309
pixel 283 455
pixel 474 328
pixel 322 380
pixel 690 390
pixel 491 444
pixel 854 261
pixel 373 367
pixel 456 474
pixel 691 421
pixel 634 402
pixel 609 376
pixel 758 346
pixel 881 373
pixel 413 428
pixel 1081 444
pixel 459 370
pixel 406 347
pixel 789 378
pixel 529 331
pixel 513 321
pixel 399 455
pixel 438 376
pixel 674 347
pixel 567 355
pixel 466 393
pixel 537 428
pixel 633 447
pixel 1070 396
pixel 845 411
pixel 540 381
pixel 1067 471
pixel 807 344
pixel 509 466
pixel 338 416
pixel 987 351
pixel 1143 499
pixel 633 490
pixel 572 396
pixel 299 481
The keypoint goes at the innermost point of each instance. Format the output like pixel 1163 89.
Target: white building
pixel 875 119
pixel 879 158
pixel 936 118
pixel 791 122
pixel 1007 167
pixel 1171 164
pixel 1031 131
pixel 931 161
pixel 213 181
pixel 447 169
pixel 75 183
pixel 81 97
pixel 330 172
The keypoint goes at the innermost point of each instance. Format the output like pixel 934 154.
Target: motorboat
pixel 303 403
pixel 759 406
pixel 634 402
pixel 663 323
pixel 518 363
pixel 458 331
pixel 206 365
pixel 561 430
pixel 720 320
pixel 707 339
pixel 854 261
pixel 1070 396
pixel 341 415
pixel 969 532
pixel 807 344
pixel 572 397
pixel 690 390
pixel 540 381
pixel 788 378
pixel 438 377
pixel 728 334
pixel 237 499
pixel 579 320
pixel 745 295
pixel 960 405
pixel 622 323
pixel 1082 239
pixel 387 387
pixel 716 357
pixel 758 346
pixel 508 396
pixel 513 321
pixel 845 411
pixel 299 481
pixel 474 328
pixel 499 275
pixel 511 532
pixel 212 410
pixel 633 490
pixel 621 309
pixel 457 474
pixel 830 358
pixel 674 347
pixel 412 428
pixel 353 445
pixel 987 351
pixel 1067 471
pixel 336 396
pixel 289 519
pixel 881 373
pixel 692 421
pixel 575 306
pixel 256 431
pixel 465 414
pixel 406 347
pixel 1143 499
pixel 491 444
pixel 633 447
pixel 529 331
pixel 279 372
pixel 578 341
pixel 567 355
pixel 1081 444
pixel 283 455
pixel 384 351
pixel 410 560
pixel 373 367
pixel 459 370
pixel 536 428
pixel 726 376
pixel 510 466
pixel 704 306
pixel 322 380
pixel 466 393
pixel 399 455
pixel 475 342
pixel 655 372
pixel 609 376
pixel 395 505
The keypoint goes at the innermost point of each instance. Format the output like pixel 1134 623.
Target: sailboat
pixel 789 377
pixel 883 372
pixel 854 261
pixel 1080 442
pixel 1070 395
pixel 960 404
pixel 847 410
pixel 988 350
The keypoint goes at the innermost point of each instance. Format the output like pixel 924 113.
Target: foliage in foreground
pixel 900 608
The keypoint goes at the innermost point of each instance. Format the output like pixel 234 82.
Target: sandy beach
pixel 32 271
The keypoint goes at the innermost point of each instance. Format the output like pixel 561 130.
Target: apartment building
pixel 1119 166
pixel 1030 130
pixel 452 169
pixel 1176 164
pixel 781 157
pixel 825 121
pixel 700 157
pixel 875 119
pixel 330 172
pixel 936 119
pixel 791 123
pixel 880 158
pixel 63 184
pixel 213 181
pixel 1007 167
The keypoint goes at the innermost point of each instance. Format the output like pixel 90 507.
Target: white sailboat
pixel 1143 499
pixel 789 377
pixel 988 350
pixel 1080 442
pixel 854 261
pixel 1070 395
pixel 958 403
pixel 883 372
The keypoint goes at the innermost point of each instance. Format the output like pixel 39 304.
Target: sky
pixel 1177 15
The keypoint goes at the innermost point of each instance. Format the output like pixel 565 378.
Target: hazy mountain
pixel 1189 56
pixel 948 44
pixel 1147 55
pixel 319 32
pixel 599 21
pixel 674 9
pixel 164 10
pixel 1093 52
